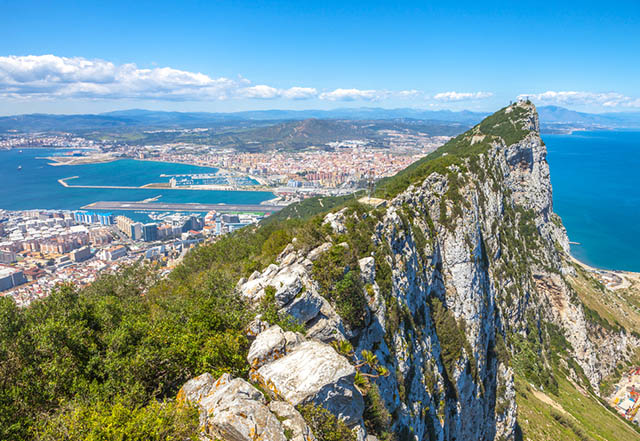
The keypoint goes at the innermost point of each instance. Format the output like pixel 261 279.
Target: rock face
pixel 314 372
pixel 234 410
pixel 466 261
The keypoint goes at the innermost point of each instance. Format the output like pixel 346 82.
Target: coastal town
pixel 40 249
pixel 326 169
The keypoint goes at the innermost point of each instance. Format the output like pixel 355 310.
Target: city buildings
pixel 10 277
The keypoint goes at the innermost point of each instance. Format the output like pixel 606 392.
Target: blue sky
pixel 229 55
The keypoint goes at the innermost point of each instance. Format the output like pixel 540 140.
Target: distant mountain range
pixel 552 118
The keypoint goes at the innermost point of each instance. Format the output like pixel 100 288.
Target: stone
pixel 291 419
pixel 194 390
pixel 268 345
pixel 316 252
pixel 314 372
pixel 256 326
pixel 245 420
pixel 287 283
pixel 368 269
pixel 231 409
pixel 305 307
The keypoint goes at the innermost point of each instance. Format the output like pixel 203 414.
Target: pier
pixel 160 206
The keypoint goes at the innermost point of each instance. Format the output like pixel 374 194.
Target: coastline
pixel 613 279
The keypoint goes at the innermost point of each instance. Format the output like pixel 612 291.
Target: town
pixel 40 249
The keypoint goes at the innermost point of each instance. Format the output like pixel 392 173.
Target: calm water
pixel 596 191
pixel 36 186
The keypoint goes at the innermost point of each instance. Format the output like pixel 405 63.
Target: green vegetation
pixel 105 421
pixel 571 414
pixel 128 338
pixel 452 338
pixel 377 418
pixel 325 426
pixel 269 310
pixel 504 125
pixel 338 274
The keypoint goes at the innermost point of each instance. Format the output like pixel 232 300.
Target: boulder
pixel 287 283
pixel 194 390
pixel 368 269
pixel 291 420
pixel 245 420
pixel 231 409
pixel 316 252
pixel 305 307
pixel 270 345
pixel 315 372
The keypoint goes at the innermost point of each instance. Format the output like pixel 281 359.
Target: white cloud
pixel 261 91
pixel 300 93
pixel 51 77
pixel 563 98
pixel 461 96
pixel 351 95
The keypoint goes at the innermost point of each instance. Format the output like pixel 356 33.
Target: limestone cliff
pixel 461 278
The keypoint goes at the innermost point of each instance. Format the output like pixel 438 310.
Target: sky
pixel 225 56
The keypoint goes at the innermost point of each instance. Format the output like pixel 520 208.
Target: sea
pixel 35 185
pixel 596 192
pixel 595 178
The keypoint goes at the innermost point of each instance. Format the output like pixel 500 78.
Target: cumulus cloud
pixel 350 95
pixel 261 91
pixel 299 93
pixel 563 98
pixel 50 76
pixel 461 96
pixel 54 77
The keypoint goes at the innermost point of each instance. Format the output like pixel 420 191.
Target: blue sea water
pixel 36 184
pixel 596 192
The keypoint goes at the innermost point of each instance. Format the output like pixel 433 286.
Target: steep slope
pixel 459 281
pixel 450 309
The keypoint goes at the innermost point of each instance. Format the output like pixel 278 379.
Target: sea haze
pixel 36 184
pixel 596 191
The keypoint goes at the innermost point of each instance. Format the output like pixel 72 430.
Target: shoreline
pixel 627 277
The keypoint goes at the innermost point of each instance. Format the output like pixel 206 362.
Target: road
pixel 159 206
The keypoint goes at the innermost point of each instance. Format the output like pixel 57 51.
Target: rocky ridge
pixel 463 272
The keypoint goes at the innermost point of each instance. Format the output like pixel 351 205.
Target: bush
pixel 123 337
pixel 165 421
pixel 338 274
pixel 325 425
pixel 377 418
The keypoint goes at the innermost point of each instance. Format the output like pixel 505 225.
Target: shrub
pixel 338 274
pixel 377 418
pixel 325 425
pixel 165 421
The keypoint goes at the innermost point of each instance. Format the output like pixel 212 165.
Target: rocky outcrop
pixel 465 261
pixel 234 410
pixel 314 373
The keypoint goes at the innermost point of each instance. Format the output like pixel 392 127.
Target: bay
pixel 35 185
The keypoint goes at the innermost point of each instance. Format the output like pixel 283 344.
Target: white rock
pixel 315 372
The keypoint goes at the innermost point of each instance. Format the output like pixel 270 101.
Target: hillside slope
pixel 463 281
pixel 450 312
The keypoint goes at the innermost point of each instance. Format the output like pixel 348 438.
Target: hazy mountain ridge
pixel 552 118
